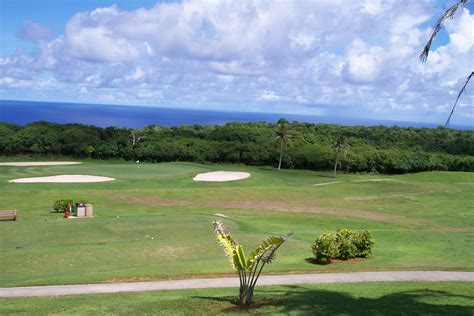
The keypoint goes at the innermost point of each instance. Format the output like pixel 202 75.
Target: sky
pixel 321 57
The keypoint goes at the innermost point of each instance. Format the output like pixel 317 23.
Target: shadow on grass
pixel 305 301
pixel 314 261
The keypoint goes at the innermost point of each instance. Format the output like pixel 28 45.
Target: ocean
pixel 24 112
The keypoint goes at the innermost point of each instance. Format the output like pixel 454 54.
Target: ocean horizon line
pixel 24 112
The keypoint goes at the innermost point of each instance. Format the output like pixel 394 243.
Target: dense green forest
pixel 309 146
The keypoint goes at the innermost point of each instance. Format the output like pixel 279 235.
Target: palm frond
pixel 258 253
pixel 227 243
pixel 267 248
pixel 449 14
pixel 457 99
pixel 240 261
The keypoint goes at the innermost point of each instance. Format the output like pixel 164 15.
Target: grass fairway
pixel 154 221
pixel 402 298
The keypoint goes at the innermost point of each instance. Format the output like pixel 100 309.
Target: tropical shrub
pixel 325 248
pixel 61 205
pixel 248 268
pixel 363 241
pixel 344 244
pixel 345 241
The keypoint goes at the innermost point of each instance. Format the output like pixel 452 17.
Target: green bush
pixel 345 241
pixel 363 242
pixel 344 244
pixel 61 205
pixel 325 248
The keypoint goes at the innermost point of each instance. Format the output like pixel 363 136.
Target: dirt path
pixel 388 276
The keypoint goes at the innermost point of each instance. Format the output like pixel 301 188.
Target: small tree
pixel 136 135
pixel 282 137
pixel 340 148
pixel 249 269
pixel 90 150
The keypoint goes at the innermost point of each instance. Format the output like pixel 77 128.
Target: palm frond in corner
pixel 448 15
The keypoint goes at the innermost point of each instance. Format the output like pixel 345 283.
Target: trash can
pixel 89 210
pixel 80 210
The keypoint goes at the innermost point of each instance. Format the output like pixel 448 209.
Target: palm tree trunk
pixel 281 154
pixel 335 166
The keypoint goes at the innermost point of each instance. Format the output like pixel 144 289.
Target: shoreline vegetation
pixel 373 149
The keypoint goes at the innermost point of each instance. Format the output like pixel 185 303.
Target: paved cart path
pixel 54 290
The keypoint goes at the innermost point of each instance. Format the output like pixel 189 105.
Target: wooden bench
pixel 8 214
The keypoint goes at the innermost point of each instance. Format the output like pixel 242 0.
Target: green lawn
pixel 397 298
pixel 154 221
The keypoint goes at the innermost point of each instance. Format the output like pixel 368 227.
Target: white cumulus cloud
pixel 359 56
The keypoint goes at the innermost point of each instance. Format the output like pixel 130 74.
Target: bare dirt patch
pixel 275 207
pixel 148 200
pixel 391 195
pixel 447 229
pixel 284 207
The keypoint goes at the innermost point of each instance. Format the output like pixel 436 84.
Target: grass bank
pixel 154 221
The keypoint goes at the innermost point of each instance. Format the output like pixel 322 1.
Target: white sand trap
pixel 65 178
pixel 325 183
pixel 39 163
pixel 221 176
pixel 374 180
pixel 221 215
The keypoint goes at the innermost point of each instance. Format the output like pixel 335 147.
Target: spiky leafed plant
pixel 248 268
pixel 340 148
pixel 448 15
pixel 282 137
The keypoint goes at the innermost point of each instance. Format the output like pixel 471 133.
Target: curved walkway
pixel 54 290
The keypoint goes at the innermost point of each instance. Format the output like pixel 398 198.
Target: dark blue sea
pixel 24 112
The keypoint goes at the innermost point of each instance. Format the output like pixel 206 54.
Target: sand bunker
pixel 36 164
pixel 221 176
pixel 65 178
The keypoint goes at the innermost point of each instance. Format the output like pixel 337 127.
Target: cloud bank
pixel 351 58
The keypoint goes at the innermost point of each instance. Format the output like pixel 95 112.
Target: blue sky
pixel 321 57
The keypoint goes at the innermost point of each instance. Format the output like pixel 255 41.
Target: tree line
pixel 300 145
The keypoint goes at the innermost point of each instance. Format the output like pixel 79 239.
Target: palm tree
pixel 282 137
pixel 448 15
pixel 136 135
pixel 340 148
pixel 249 269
